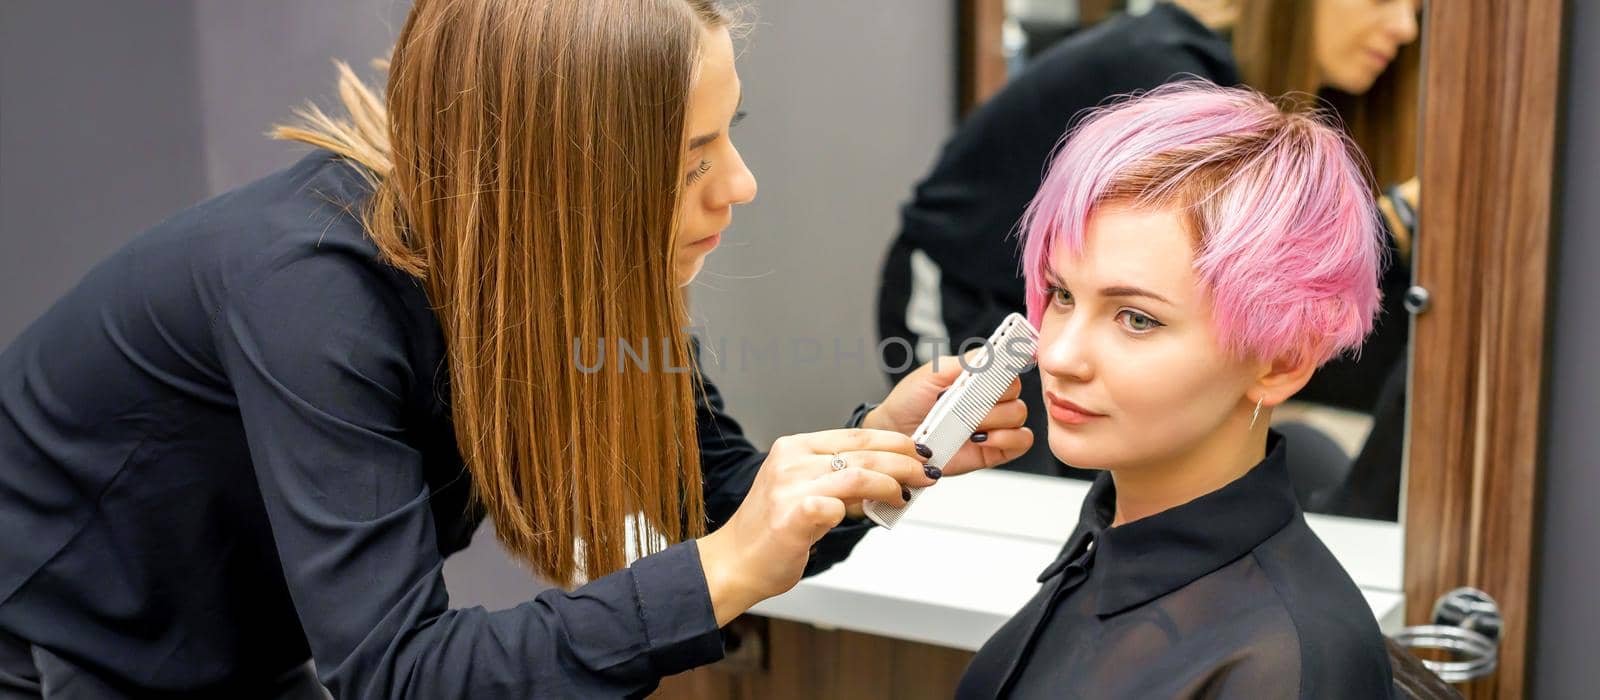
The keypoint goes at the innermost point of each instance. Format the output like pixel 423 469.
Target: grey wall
pixel 1568 604
pixel 99 108
pixel 257 60
pixel 117 114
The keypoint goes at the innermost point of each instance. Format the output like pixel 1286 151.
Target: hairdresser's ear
pixel 1281 379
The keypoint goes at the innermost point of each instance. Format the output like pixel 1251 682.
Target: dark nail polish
pixel 980 437
pixel 924 450
pixel 932 471
pixel 905 494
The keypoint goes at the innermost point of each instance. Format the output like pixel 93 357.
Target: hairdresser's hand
pixel 796 498
pixel 1412 191
pixel 1000 438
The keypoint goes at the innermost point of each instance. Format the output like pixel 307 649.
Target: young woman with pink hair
pixel 1192 256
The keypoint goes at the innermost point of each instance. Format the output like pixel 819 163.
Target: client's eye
pixel 1138 322
pixel 1058 296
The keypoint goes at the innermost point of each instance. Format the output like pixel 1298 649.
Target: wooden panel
pixel 803 662
pixel 864 666
pixel 1489 115
pixel 981 56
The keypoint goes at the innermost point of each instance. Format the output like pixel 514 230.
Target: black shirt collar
pixel 1153 556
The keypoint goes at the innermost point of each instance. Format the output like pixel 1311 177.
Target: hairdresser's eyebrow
pixel 1132 292
pixel 703 139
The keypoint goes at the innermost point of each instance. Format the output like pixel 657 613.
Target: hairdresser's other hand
pixel 797 497
pixel 1412 191
pixel 1000 438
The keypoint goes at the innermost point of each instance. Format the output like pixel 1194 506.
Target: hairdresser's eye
pixel 699 172
pixel 1138 322
pixel 1058 297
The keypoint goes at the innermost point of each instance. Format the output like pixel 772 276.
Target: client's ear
pixel 1282 378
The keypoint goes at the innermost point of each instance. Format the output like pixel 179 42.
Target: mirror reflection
pixel 952 270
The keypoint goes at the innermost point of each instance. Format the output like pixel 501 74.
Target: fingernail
pixel 924 450
pixel 905 494
pixel 932 471
pixel 980 437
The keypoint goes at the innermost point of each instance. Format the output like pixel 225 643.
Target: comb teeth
pixel 954 417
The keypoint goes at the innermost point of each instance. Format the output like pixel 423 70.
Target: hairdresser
pixel 249 439
pixel 953 271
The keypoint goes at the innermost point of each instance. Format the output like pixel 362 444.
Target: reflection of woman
pixel 252 436
pixel 1191 258
pixel 951 272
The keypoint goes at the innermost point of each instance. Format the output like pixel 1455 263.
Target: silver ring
pixel 838 463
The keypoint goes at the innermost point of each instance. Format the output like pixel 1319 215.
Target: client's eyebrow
pixel 1054 280
pixel 1132 292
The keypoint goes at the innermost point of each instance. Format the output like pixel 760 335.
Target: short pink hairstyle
pixel 1279 202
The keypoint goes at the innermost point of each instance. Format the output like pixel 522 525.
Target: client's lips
pixel 1064 411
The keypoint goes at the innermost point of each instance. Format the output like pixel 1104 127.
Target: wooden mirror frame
pixel 1491 81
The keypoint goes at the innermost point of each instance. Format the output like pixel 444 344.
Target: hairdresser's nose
pixel 739 185
pixel 1066 350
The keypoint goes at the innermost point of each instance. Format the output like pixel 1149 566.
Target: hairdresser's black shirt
pixel 228 450
pixel 1227 596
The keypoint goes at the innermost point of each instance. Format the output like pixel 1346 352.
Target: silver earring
pixel 1256 414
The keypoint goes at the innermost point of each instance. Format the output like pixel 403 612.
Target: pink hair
pixel 1287 240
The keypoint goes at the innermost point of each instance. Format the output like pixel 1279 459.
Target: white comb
pixel 954 417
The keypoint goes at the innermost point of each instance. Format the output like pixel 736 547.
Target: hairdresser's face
pixel 1133 373
pixel 1355 40
pixel 716 178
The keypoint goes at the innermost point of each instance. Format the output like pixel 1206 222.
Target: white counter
pixel 966 556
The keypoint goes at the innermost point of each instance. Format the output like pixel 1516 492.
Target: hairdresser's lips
pixel 708 242
pixel 1066 412
pixel 1380 58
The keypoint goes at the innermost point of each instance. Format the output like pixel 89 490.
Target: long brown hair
pixel 525 162
pixel 1272 43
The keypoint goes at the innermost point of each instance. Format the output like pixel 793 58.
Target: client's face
pixel 1132 371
